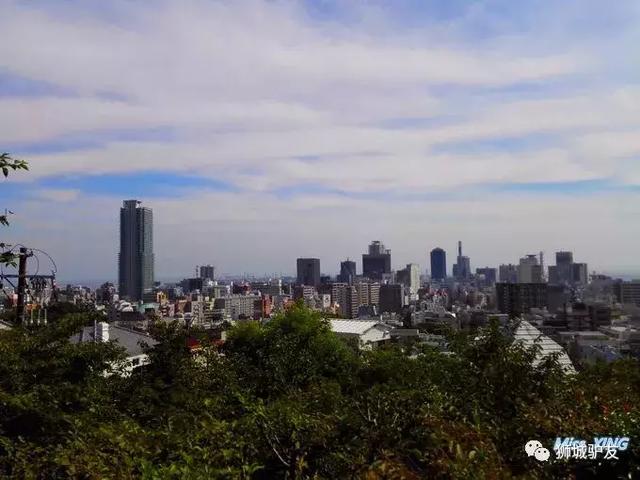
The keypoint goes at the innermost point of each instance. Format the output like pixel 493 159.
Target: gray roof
pixel 356 327
pixel 129 339
pixel 530 335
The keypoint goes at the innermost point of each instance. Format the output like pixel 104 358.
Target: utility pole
pixel 22 285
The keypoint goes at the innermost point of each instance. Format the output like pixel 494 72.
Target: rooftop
pixel 355 327
pixel 130 340
pixel 530 335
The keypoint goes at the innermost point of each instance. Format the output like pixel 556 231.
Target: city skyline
pixel 136 225
pixel 313 127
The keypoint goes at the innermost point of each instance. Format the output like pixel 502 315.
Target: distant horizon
pixel 94 283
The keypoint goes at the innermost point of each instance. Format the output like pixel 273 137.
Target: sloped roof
pixel 355 327
pixel 128 339
pixel 530 335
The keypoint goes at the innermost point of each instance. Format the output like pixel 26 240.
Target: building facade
pixel 438 259
pixel 489 275
pixel 347 271
pixel 627 292
pixel 462 268
pixel 308 271
pixel 566 272
pixel 508 273
pixel 530 270
pixel 136 259
pixel 377 263
pixel 410 278
pixel 345 296
pixel 392 298
pixel 515 299
pixel 207 272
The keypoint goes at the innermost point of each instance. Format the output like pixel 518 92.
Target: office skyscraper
pixel 490 275
pixel 462 268
pixel 530 270
pixel 308 270
pixel 135 261
pixel 377 262
pixel 509 273
pixel 347 271
pixel 566 272
pixel 438 264
pixel 391 298
pixel 207 272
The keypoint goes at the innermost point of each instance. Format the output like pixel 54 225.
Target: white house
pixel 130 340
pixel 368 332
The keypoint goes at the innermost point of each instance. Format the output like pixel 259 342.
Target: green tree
pixel 7 164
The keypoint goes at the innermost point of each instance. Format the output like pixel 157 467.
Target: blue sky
pixel 260 131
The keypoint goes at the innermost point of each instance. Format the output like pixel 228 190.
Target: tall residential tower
pixel 135 261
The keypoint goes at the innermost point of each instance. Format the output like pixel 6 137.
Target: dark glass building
pixel 136 260
pixel 347 271
pixel 438 264
pixel 308 271
pixel 391 298
pixel 377 262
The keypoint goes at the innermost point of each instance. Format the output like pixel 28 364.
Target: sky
pixel 263 131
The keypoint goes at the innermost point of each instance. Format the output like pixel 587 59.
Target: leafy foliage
pixel 8 163
pixel 289 399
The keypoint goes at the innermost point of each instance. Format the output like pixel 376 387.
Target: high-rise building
pixel 377 262
pixel 566 272
pixel 530 270
pixel 627 292
pixel 438 265
pixel 518 298
pixel 509 273
pixel 346 297
pixel 391 298
pixel 580 274
pixel 308 270
pixel 409 277
pixel 347 271
pixel 136 260
pixel 462 268
pixel 564 258
pixel 368 293
pixel 489 275
pixel 207 272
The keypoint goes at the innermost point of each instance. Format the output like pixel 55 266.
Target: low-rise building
pixel 367 333
pixel 131 340
pixel 529 335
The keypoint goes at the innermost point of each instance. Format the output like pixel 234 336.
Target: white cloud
pixel 61 196
pixel 257 94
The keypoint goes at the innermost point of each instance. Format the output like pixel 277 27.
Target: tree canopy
pixel 7 164
pixel 289 399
